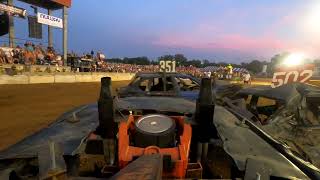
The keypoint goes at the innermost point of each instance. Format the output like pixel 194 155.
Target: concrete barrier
pixel 83 78
pixel 63 78
pixel 37 79
pixel 16 79
pixel 96 77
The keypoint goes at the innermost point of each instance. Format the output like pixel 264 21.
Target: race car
pixel 162 84
pixel 154 137
pixel 172 85
pixel 289 113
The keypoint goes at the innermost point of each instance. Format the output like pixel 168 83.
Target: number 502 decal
pixel 281 78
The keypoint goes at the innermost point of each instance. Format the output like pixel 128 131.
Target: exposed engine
pixel 156 134
pixel 153 130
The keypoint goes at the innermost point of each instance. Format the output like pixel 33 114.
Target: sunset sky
pixel 219 30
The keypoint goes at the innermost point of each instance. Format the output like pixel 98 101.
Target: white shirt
pixel 246 77
pixel 208 74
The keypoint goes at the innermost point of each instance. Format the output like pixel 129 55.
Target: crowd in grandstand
pixel 132 68
pixel 32 54
pixel 29 54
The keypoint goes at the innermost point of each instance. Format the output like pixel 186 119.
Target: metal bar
pixel 107 127
pixel 65 34
pixel 11 27
pixel 145 167
pixel 52 155
pixel 204 151
pixel 51 162
pixel 199 151
pixel 50 31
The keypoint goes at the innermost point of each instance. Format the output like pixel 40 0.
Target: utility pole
pixel 50 44
pixel 65 34
pixel 11 27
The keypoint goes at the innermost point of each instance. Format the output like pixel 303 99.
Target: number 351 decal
pixel 167 66
pixel 281 78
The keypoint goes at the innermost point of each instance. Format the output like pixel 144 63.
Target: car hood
pixel 73 126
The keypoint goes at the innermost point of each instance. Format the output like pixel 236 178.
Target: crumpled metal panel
pixel 64 130
pixel 298 133
pixel 146 167
pixel 285 93
pixel 288 93
pixel 243 144
pixel 170 104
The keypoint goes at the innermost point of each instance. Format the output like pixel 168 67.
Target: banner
pixel 49 20
pixel 13 11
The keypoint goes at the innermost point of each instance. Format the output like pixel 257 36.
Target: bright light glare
pixel 294 59
pixel 312 19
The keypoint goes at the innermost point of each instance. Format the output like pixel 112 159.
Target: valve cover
pixel 155 130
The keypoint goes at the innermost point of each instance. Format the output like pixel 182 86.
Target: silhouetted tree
pixel 254 66
pixel 180 59
pixel 166 57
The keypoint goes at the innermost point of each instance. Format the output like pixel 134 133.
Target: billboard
pixel 49 20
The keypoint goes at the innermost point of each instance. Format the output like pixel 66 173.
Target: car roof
pixel 161 74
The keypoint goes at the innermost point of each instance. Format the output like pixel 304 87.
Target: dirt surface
pixel 25 109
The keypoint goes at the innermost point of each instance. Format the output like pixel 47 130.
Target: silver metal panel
pixel 154 123
pixel 243 144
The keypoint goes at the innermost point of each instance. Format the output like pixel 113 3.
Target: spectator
pixel 247 78
pixel 2 57
pixel 29 56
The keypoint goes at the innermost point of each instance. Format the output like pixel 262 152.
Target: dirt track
pixel 25 109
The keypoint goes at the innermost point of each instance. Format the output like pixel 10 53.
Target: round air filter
pixel 155 130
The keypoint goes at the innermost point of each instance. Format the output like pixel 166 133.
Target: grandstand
pixel 9 11
pixel 217 69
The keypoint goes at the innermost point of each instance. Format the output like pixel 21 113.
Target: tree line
pixel 179 58
pixel 254 66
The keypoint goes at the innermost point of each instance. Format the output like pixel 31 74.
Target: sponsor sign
pixel 167 66
pixel 13 11
pixel 49 20
pixel 285 75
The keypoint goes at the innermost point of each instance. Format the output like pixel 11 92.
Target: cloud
pixel 264 46
pixel 227 41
